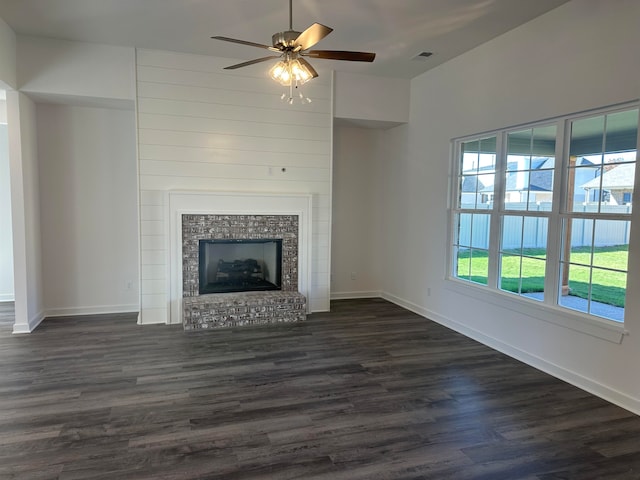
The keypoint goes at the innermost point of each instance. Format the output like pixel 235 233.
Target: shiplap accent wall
pixel 202 128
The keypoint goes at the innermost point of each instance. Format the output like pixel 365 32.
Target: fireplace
pixel 240 270
pixel 239 265
pixel 240 237
pixel 224 216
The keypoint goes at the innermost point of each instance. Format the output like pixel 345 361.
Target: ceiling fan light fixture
pixel 287 72
pixel 300 72
pixel 280 73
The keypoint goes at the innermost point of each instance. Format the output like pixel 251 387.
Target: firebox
pixel 239 265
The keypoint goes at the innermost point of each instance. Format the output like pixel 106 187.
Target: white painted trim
pixel 588 324
pixel 72 312
pixel 327 302
pixel 152 322
pixel 7 297
pixel 138 190
pixel 234 203
pixel 23 324
pixel 609 394
pixel 31 326
pixel 93 310
pixel 353 295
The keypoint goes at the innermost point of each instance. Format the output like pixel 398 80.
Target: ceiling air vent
pixel 422 56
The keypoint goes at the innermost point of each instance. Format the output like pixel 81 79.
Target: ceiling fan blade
pixel 244 42
pixel 311 36
pixel 251 62
pixel 341 55
pixel 314 74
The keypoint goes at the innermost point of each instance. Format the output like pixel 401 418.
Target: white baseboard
pixel 353 295
pixel 31 326
pixel 69 312
pixel 611 395
pixel 153 322
pixel 95 310
pixel 7 297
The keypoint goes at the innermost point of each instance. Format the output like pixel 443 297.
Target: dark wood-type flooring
pixel 368 391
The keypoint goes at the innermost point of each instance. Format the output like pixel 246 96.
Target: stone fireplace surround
pixel 238 227
pixel 247 308
pixel 238 215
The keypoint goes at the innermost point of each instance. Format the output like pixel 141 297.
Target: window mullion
pixel 555 232
pixel 496 212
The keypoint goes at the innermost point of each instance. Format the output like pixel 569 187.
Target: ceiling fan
pixel 291 46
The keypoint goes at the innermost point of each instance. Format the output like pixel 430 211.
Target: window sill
pixel 588 324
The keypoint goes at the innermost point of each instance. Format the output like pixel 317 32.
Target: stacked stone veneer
pixel 239 309
pixel 242 308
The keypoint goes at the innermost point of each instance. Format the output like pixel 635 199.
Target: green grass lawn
pixel 608 287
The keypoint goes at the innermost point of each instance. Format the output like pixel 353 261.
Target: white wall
pixel 8 77
pixel 371 100
pixel 74 147
pixel 88 197
pixel 6 241
pixel 76 71
pixel 577 57
pixel 206 129
pixel 355 221
pixel 25 211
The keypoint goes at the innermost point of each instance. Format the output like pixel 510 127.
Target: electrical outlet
pixel 129 284
pixel 353 275
pixel 429 292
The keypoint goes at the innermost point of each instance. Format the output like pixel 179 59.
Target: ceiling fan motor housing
pixel 285 40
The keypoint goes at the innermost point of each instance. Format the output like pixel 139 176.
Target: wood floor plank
pixel 367 391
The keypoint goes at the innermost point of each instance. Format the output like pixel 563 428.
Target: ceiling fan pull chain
pixel 290 98
pixel 304 99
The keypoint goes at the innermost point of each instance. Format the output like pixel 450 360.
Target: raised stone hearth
pixel 241 309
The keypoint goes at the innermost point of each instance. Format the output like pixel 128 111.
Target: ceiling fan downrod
pixel 290 14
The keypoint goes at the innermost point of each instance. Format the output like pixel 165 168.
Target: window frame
pixel 549 309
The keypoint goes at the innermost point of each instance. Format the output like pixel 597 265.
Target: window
pixel 544 211
pixel 475 189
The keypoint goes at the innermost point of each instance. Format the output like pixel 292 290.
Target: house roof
pixel 471 184
pixel 539 180
pixel 619 177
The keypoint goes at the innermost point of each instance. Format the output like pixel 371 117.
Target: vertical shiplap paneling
pixel 203 128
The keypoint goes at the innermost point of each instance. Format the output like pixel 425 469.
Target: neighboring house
pixel 614 186
pixel 532 186
pixel 537 182
pixel 475 190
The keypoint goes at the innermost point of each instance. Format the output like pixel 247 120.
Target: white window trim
pixel 548 310
pixel 564 317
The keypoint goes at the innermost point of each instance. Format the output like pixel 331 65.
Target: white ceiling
pixel 397 30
